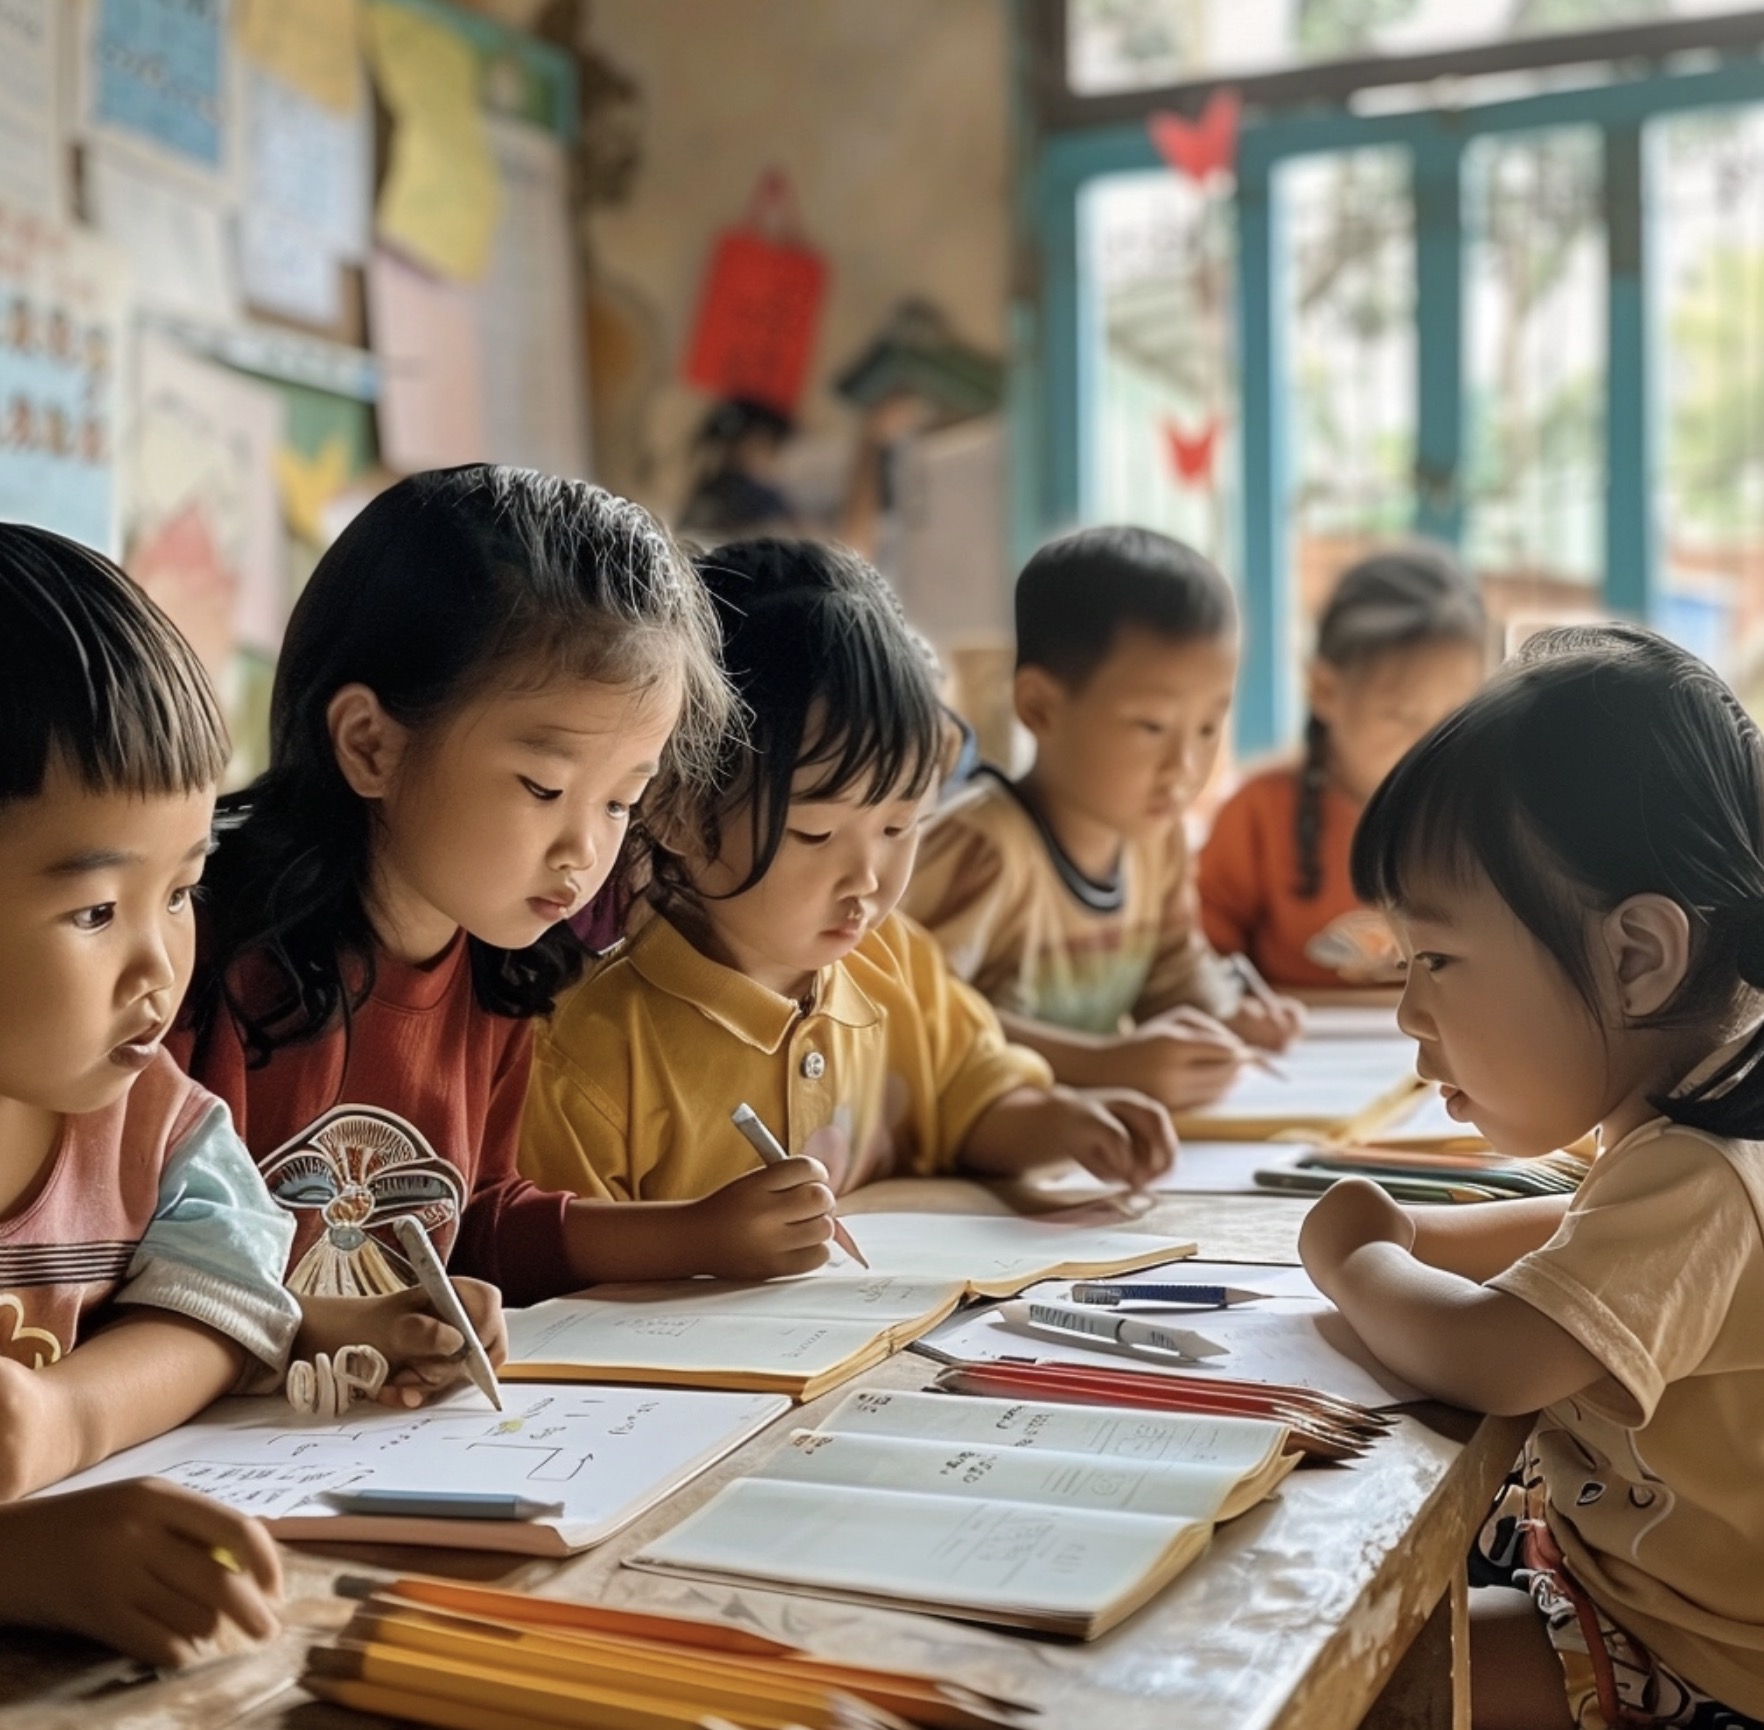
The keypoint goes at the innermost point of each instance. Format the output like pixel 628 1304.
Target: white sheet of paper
pixel 596 1450
pixel 33 175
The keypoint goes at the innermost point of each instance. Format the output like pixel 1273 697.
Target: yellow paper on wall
pixel 312 45
pixel 442 193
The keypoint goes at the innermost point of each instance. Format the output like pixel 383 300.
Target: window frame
pixel 1054 399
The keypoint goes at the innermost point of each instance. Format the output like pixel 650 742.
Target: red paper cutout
pixel 1204 147
pixel 1192 457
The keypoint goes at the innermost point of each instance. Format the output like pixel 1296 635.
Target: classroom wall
pixel 892 121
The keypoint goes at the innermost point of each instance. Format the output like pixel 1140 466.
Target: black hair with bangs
pixel 449 586
pixel 94 678
pixel 830 674
pixel 1602 762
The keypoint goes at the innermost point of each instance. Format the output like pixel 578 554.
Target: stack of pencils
pixel 1322 1425
pixel 474 1658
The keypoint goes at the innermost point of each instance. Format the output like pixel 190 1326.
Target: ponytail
pixel 1313 783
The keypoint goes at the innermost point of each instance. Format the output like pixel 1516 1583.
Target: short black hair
pixel 830 674
pixel 95 678
pixel 1077 594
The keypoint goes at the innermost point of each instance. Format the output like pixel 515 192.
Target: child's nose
pixel 862 877
pixel 576 848
pixel 151 966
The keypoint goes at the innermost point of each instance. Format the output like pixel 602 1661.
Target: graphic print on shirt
pixel 24 1344
pixel 40 1281
pixel 360 1168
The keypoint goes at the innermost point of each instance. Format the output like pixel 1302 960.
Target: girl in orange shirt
pixel 1400 644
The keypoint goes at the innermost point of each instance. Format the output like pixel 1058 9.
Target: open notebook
pixel 606 1454
pixel 1063 1519
pixel 803 1336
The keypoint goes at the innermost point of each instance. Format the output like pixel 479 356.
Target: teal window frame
pixel 1055 397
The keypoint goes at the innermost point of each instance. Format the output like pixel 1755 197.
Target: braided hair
pixel 1394 600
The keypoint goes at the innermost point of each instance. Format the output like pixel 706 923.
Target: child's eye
pixel 183 896
pixel 1431 960
pixel 615 809
pixel 94 918
pixel 808 838
pixel 544 794
pixel 1155 728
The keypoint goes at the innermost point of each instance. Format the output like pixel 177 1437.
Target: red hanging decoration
pixel 760 304
pixel 1204 147
pixel 1191 457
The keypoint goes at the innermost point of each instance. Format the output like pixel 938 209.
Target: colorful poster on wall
pixel 33 175
pixel 156 74
pixel 64 307
pixel 441 193
pixel 204 532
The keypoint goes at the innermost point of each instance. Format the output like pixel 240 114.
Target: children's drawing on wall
pixel 204 532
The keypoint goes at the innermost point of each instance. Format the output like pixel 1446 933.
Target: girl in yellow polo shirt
pixel 776 972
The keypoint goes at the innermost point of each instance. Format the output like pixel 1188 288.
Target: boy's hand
pixel 1182 1058
pixel 1272 1023
pixel 777 1220
pixel 1350 1214
pixel 1113 1132
pixel 423 1353
pixel 134 1565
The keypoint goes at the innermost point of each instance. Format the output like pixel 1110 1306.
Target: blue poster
pixel 159 71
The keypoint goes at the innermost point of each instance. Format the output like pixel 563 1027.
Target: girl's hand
pixel 135 1565
pixel 1182 1058
pixel 773 1221
pixel 1272 1023
pixel 1350 1214
pixel 422 1352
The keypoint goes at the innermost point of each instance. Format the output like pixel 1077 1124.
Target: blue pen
pixel 440 1505
pixel 1203 1297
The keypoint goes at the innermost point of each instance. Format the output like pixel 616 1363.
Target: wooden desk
pixel 1300 1613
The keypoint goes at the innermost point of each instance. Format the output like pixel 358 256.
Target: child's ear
pixel 1648 941
pixel 1038 696
pixel 367 742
